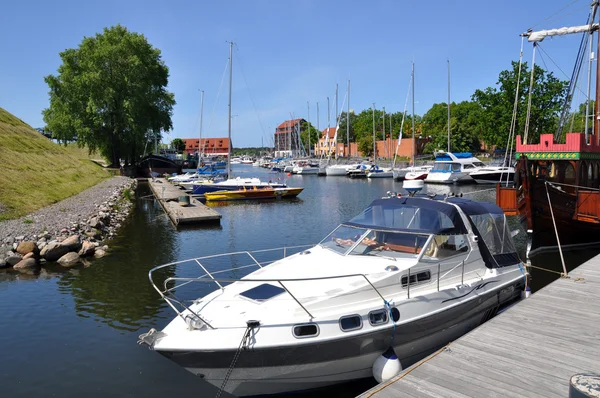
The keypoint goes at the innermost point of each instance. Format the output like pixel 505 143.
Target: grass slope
pixel 35 172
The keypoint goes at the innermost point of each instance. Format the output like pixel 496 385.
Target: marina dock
pixel 531 349
pixel 168 196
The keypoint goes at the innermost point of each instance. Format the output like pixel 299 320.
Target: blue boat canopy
pixel 411 214
pixel 446 158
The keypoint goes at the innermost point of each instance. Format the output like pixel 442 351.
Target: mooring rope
pixel 562 259
pixel 243 345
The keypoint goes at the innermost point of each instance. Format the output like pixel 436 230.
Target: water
pixel 73 332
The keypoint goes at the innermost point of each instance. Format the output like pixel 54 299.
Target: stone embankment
pixel 69 231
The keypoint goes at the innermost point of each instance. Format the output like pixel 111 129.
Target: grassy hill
pixel 35 172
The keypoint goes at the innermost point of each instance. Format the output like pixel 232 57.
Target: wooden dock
pixel 530 350
pixel 168 196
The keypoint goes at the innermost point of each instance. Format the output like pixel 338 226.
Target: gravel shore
pixel 94 214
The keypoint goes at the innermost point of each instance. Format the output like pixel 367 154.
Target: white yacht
pixel 409 273
pixel 379 172
pixel 306 167
pixel 494 174
pixel 451 168
pixel 340 169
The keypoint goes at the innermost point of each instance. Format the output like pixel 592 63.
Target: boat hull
pixel 309 366
pixel 448 178
pixel 493 178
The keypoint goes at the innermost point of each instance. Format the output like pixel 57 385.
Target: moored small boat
pixel 253 194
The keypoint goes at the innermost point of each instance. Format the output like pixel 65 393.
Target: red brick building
pixel 287 135
pixel 209 146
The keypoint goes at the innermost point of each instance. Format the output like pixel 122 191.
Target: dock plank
pixel 531 349
pixel 168 195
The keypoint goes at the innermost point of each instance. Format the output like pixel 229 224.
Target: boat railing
pixel 170 284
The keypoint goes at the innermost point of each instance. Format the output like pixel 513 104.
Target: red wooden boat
pixel 556 190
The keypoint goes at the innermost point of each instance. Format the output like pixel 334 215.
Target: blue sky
pixel 288 53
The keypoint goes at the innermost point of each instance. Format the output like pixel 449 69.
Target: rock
pixel 53 251
pixel 41 245
pixel 105 248
pixel 13 260
pixel 99 253
pixel 68 260
pixel 87 249
pixel 9 241
pixel 15 245
pixel 64 231
pixel 94 233
pixel 93 222
pixel 20 237
pixel 29 255
pixel 26 264
pixel 26 247
pixel 72 243
pixel 4 264
pixel 60 238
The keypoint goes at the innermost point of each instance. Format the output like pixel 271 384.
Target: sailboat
pixel 556 193
pixel 232 184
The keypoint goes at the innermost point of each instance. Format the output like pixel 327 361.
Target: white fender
pixel 386 366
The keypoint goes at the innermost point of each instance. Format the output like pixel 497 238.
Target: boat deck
pixel 168 197
pixel 532 349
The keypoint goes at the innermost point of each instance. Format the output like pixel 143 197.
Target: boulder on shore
pixel 26 264
pixel 68 260
pixel 14 259
pixel 53 251
pixel 27 247
pixel 87 249
pixel 99 253
pixel 72 243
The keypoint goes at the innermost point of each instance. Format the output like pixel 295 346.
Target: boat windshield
pixel 343 238
pixel 362 241
pixel 445 167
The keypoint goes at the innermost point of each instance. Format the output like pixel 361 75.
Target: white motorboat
pixel 304 167
pixel 418 173
pixel 451 168
pixel 379 172
pixel 340 169
pixel 493 174
pixel 410 273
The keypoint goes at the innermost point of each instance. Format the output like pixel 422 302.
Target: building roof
pixel 289 124
pixel 330 132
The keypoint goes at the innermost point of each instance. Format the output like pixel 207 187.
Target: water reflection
pixel 115 289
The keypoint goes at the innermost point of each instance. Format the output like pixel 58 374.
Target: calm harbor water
pixel 73 332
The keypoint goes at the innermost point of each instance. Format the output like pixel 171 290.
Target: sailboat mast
pixel 308 106
pixel 596 128
pixel 229 112
pixel 337 120
pixel 413 115
pixel 348 121
pixel 374 149
pixel 449 106
pixel 201 113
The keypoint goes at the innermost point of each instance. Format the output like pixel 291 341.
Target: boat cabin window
pixel 306 330
pixel 479 164
pixel 468 166
pixel 350 322
pixel 443 246
pixel 378 317
pixel 419 277
pixel 442 167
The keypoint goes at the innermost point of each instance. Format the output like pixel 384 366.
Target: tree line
pixel 110 94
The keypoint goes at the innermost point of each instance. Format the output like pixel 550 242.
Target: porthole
pixel 378 317
pixel 395 314
pixel 419 277
pixel 350 322
pixel 306 330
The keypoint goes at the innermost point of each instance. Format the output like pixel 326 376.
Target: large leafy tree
pixel 497 104
pixel 464 126
pixel 309 129
pixel 110 94
pixel 178 144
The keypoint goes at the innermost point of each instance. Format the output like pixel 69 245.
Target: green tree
pixel 178 144
pixel 110 93
pixel 308 128
pixel 576 123
pixel 464 126
pixel 365 145
pixel 497 104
